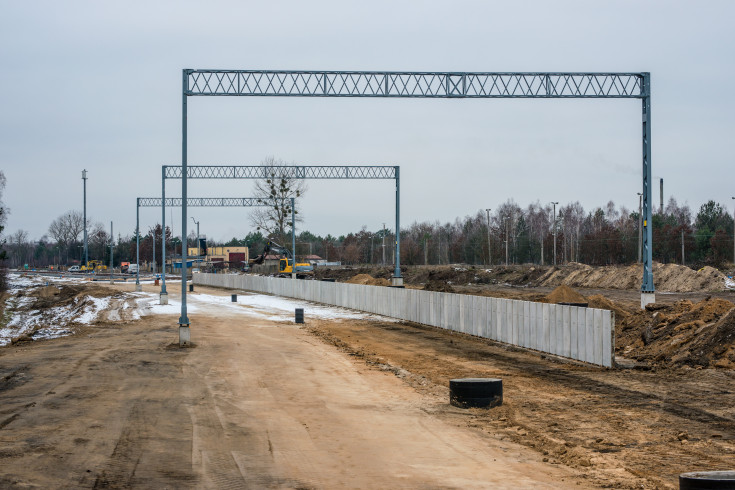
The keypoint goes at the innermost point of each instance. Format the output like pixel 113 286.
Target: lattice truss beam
pixel 202 202
pixel 413 84
pixel 288 171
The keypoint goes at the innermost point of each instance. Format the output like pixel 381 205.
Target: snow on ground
pixel 52 322
pixel 58 321
pixel 273 308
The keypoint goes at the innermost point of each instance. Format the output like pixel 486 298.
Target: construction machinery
pixel 94 266
pixel 286 265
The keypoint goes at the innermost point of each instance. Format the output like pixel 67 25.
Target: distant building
pixel 315 260
pixel 223 257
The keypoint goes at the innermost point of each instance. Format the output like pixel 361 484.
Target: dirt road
pixel 254 403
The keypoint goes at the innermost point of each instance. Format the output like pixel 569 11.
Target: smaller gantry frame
pixel 329 172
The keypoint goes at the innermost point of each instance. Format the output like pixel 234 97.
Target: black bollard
pixel 299 315
pixel 234 298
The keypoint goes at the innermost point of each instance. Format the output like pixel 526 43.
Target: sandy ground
pixel 261 403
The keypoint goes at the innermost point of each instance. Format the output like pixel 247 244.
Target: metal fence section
pixel 583 334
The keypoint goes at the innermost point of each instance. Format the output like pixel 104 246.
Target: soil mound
pixel 602 303
pixel 565 294
pixel 369 280
pixel 667 277
pixel 682 334
pixel 440 286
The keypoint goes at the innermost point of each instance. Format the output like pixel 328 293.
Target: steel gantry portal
pixel 218 202
pixel 459 85
pixel 328 172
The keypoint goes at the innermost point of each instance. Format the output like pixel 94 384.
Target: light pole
pixel 112 244
pixel 733 237
pixel 154 252
pixel 383 244
pixel 86 254
pixel 489 250
pixel 506 239
pixel 640 226
pixel 197 223
pixel 554 225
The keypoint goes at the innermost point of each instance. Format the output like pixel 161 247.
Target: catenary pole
pixel 154 250
pixel 383 244
pixel 640 226
pixel 164 294
pixel 682 246
pixel 112 244
pixel 293 239
pixel 199 253
pixel 489 250
pixel 554 225
pixel 184 334
pixel 397 279
pixel 86 250
pixel 137 244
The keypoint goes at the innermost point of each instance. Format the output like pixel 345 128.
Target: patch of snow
pixel 729 283
pixel 91 313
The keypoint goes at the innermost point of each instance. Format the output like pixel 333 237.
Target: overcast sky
pixel 89 84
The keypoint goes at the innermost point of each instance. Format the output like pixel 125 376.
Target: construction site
pixel 97 392
pixel 392 245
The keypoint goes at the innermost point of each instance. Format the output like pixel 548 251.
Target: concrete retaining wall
pixel 584 334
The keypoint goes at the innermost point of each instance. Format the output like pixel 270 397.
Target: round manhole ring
pixel 707 480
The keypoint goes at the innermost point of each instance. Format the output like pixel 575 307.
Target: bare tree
pixel 19 242
pixel 573 215
pixel 539 221
pixel 98 240
pixel 276 191
pixel 74 224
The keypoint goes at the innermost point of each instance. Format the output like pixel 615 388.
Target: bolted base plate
pixel 164 298
pixel 184 335
pixel 647 298
pixel 396 281
pixel 138 288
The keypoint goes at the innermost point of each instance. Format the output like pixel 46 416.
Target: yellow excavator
pixel 286 266
pixel 94 266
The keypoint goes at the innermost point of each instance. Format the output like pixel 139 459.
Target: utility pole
pixel 112 245
pixel 383 244
pixel 506 239
pixel 640 226
pixel 733 237
pixel 682 246
pixel 154 251
pixel 86 253
pixel 489 250
pixel 554 225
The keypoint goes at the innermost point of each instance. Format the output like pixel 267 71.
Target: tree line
pixel 601 236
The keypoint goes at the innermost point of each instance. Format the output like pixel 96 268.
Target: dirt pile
pixel 439 286
pixel 699 335
pixel 667 277
pixel 565 294
pixel 51 296
pixel 600 302
pixel 369 280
